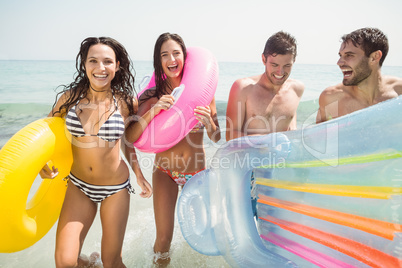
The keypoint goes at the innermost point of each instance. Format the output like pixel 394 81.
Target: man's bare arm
pixel 235 112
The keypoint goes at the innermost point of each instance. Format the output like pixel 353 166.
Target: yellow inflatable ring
pixel 21 159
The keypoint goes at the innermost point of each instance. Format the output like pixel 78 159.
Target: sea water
pixel 27 93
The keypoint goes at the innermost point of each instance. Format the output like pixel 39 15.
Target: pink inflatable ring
pixel 197 88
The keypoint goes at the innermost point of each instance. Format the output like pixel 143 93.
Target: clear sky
pixel 234 30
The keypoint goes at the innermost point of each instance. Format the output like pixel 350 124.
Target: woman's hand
pixel 203 115
pixel 146 188
pixel 132 159
pixel 164 103
pixel 207 116
pixel 47 173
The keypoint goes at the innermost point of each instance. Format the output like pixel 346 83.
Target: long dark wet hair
pixel 122 84
pixel 161 83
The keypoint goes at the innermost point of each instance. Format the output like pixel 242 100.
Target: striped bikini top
pixel 111 130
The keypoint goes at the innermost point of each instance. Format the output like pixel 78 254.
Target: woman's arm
pixel 46 172
pixel 131 156
pixel 208 117
pixel 146 112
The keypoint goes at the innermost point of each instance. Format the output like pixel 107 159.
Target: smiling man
pixel 361 56
pixel 267 102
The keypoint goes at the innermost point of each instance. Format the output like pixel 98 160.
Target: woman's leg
pixel 114 215
pixel 165 192
pixel 76 217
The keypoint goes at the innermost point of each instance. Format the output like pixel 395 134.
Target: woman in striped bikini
pixel 95 106
pixel 176 165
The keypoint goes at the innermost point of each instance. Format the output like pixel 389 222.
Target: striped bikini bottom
pixel 98 193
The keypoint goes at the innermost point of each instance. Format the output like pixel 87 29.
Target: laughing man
pixel 267 102
pixel 361 56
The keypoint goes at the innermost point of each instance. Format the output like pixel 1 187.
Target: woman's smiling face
pixel 172 59
pixel 101 66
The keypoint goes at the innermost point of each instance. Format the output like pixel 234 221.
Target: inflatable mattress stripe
pixel 373 226
pixel 380 192
pixel 342 161
pixel 311 255
pixel 359 251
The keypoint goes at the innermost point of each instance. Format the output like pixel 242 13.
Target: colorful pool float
pixel 327 194
pixel 21 158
